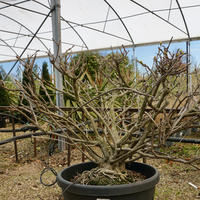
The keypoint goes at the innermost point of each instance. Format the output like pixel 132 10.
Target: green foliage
pixel 45 72
pixel 4 95
pixel 89 75
pixel 95 81
pixel 9 83
pixel 124 68
pixel 91 63
pixel 47 81
pixel 3 74
pixel 26 80
pixel 18 71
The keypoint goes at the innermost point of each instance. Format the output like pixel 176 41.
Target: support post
pixel 188 79
pixel 83 156
pixel 187 61
pixel 15 143
pixel 134 62
pixel 56 27
pixel 35 150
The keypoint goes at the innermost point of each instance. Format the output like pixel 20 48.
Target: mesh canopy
pixel 95 24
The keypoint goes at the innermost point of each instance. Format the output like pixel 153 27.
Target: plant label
pixel 102 199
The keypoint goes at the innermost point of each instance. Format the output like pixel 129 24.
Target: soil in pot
pixel 101 177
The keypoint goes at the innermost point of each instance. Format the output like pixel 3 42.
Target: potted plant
pixel 129 119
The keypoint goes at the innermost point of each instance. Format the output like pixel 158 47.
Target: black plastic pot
pixel 141 190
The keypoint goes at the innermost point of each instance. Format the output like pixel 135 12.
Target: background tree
pixel 19 71
pixel 28 81
pixel 4 95
pixel 4 101
pixel 90 60
pixel 47 81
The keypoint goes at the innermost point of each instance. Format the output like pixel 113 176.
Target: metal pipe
pixel 190 77
pixel 134 60
pixel 187 61
pixel 184 140
pixel 15 143
pixel 28 44
pixel 27 135
pixel 83 156
pixel 56 27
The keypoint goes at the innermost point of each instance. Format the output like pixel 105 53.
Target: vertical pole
pixel 21 72
pixel 35 150
pixel 56 27
pixel 15 143
pixel 83 156
pixel 68 151
pixel 187 61
pixel 134 61
pixel 69 146
pixel 52 75
pixel 144 160
pixel 188 79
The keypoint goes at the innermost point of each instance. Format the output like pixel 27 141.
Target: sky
pixel 147 53
pixel 144 53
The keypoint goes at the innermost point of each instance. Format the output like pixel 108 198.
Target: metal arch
pixel 183 19
pixel 15 5
pixel 30 41
pixel 21 35
pixel 8 46
pixel 131 40
pixel 17 47
pixel 24 27
pixel 8 4
pixel 157 15
pixel 66 22
pixel 75 32
pixel 42 4
pixel 187 48
pixel 127 32
pixel 106 19
pixel 170 8
pixel 96 30
pixel 125 17
pixel 121 21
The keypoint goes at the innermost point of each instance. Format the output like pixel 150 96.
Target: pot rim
pixel 122 189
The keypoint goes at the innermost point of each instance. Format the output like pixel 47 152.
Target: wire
pixel 46 169
pixel 66 189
